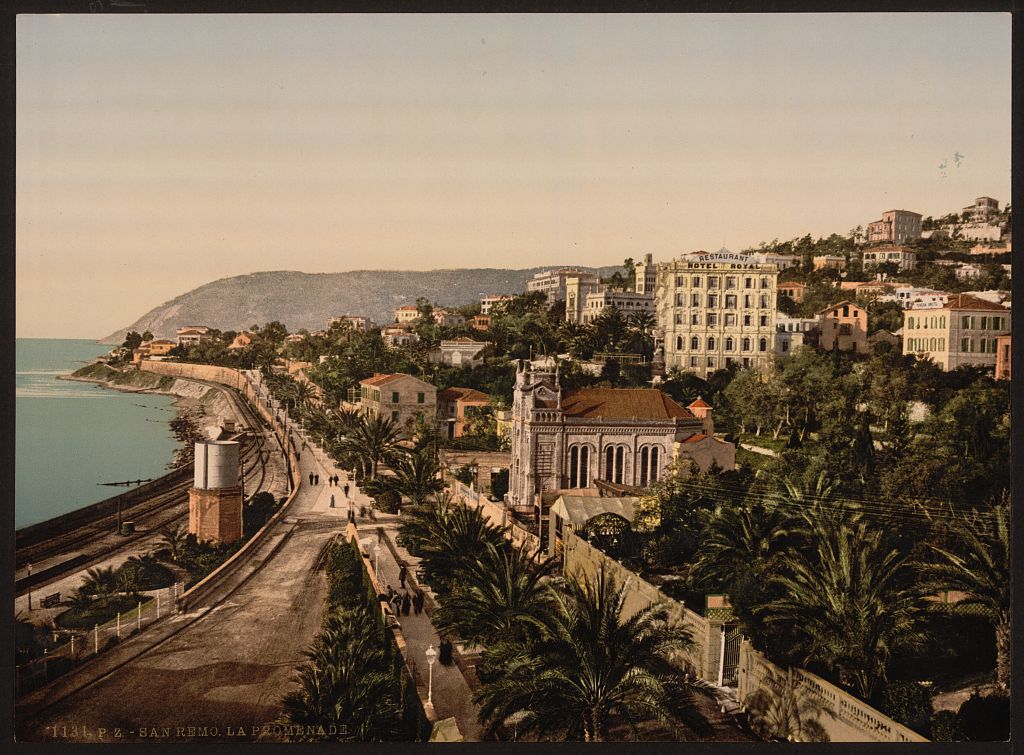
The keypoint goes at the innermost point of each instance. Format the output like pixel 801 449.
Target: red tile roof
pixel 963 301
pixel 462 394
pixel 381 379
pixel 622 403
pixel 699 404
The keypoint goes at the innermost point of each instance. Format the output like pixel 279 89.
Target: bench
pixel 51 600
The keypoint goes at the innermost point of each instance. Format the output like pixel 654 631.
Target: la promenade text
pixel 76 732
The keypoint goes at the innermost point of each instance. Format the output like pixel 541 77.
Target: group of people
pixel 401 602
pixel 314 479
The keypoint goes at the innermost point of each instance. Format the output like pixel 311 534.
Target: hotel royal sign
pixel 719 260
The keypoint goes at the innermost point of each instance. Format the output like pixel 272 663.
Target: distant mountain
pixel 307 300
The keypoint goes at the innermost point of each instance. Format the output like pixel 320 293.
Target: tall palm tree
pixel 504 596
pixel 416 475
pixel 740 539
pixel 374 439
pixel 453 538
pixel 848 602
pixel 347 681
pixel 596 668
pixel 978 564
pixel 641 325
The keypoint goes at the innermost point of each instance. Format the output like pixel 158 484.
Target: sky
pixel 156 153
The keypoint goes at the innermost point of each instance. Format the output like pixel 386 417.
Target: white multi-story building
pixel 407 313
pixel 908 296
pixel 716 309
pixel 962 331
pixel 898 255
pixel 358 322
pixel 584 302
pixel 487 302
pixel 551 283
pixel 457 351
pixel 783 261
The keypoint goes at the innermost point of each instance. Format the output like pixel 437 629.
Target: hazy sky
pixel 156 153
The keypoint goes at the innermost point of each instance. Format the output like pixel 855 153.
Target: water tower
pixel 215 499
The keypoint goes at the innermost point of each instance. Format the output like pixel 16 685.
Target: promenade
pixel 231 660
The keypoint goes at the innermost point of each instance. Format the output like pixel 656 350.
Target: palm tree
pixel 978 564
pixel 740 539
pixel 595 668
pixel 347 681
pixel 174 539
pixel 641 324
pixel 416 476
pixel 449 539
pixel 785 714
pixel 849 602
pixel 504 596
pixel 100 581
pixel 373 439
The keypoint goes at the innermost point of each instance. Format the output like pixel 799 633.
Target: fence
pixel 844 717
pixel 82 644
pixel 495 513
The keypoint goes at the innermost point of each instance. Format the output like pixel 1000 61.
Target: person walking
pixel 417 602
pixel 402 574
pixel 316 479
pixel 396 604
pixel 332 500
pixel 310 478
pixel 406 604
pixel 346 489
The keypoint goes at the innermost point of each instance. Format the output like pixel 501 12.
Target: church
pixel 568 440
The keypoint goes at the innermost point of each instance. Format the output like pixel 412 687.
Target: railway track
pixel 165 508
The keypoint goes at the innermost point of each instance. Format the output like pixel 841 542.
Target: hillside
pixel 307 300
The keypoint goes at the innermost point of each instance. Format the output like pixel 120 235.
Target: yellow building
pixel 963 331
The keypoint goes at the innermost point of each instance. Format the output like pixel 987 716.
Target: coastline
pixel 197 406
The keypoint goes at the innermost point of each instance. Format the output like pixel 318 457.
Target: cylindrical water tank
pixel 216 464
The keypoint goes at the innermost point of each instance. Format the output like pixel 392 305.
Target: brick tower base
pixel 215 515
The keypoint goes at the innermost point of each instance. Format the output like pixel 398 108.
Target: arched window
pixel 729 344
pixel 620 456
pixel 655 454
pixel 694 343
pixel 579 467
pixel 645 454
pixel 746 344
pixel 609 463
pixel 711 343
pixel 679 343
pixel 763 344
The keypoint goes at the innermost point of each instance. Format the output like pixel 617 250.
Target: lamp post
pixel 30 587
pixel 431 657
pixel 376 561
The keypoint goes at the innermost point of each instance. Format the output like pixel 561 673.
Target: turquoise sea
pixel 70 436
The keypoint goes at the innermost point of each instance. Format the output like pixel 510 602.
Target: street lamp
pixel 376 561
pixel 30 587
pixel 431 657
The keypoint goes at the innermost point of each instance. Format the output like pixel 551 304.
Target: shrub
pixel 388 501
pixel 986 719
pixel 910 703
pixel 947 726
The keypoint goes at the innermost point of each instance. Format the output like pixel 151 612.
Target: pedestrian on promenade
pixel 406 604
pixel 396 604
pixel 417 602
pixel 310 478
pixel 316 479
pixel 402 573
pixel 380 535
pixel 332 500
pixel 362 512
pixel 391 593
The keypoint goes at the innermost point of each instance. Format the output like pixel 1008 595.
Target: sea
pixel 70 437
